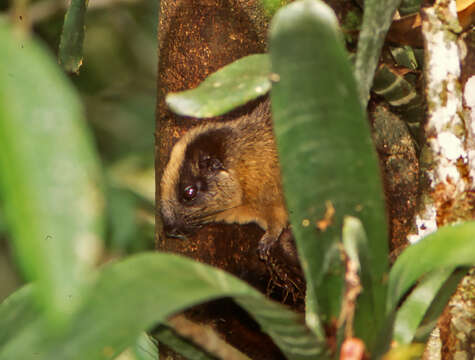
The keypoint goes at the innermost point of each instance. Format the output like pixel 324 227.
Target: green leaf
pixel 49 174
pixel 133 295
pixel 16 311
pixel 396 90
pixel 438 305
pixel 377 18
pixel 411 313
pixel 145 348
pixel 450 246
pixel 326 153
pixel 180 345
pixel 404 56
pixel 72 37
pixel 356 246
pixel 233 85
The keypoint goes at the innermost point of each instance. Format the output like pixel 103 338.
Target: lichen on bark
pixel 444 171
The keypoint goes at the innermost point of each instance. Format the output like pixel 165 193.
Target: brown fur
pixel 235 166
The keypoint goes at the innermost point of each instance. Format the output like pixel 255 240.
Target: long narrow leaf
pixel 450 246
pixel 49 174
pixel 329 166
pixel 15 313
pixel 72 38
pixel 377 18
pixel 233 85
pixel 355 243
pixel 438 305
pixel 411 313
pixel 180 345
pixel 133 295
pixel 144 348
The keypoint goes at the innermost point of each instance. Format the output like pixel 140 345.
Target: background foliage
pixel 117 85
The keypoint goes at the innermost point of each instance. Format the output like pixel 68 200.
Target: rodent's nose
pixel 173 225
pixel 168 217
pixel 171 231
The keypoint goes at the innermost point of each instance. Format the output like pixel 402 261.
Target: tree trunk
pixel 197 38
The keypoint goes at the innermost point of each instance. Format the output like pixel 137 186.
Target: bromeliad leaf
pixel 232 86
pixel 412 311
pixel 157 286
pixel 50 180
pixel 180 345
pixel 450 246
pixel 329 166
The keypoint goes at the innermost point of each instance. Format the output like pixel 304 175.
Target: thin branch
pixel 205 337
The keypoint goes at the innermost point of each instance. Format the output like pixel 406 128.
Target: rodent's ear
pixel 208 149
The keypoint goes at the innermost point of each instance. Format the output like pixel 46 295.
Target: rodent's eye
pixel 190 192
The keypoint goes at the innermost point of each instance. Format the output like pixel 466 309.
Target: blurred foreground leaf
pixel 144 348
pixel 49 174
pixel 72 38
pixel 154 286
pixel 329 166
pixel 233 85
pixel 16 312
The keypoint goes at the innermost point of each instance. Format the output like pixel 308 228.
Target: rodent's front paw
pixel 265 244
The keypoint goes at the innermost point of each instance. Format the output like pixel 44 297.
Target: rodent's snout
pixel 172 226
pixel 172 231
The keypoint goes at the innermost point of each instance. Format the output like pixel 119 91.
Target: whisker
pixel 198 217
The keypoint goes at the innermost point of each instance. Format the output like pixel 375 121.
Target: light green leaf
pixel 412 311
pixel 49 174
pixel 326 153
pixel 233 85
pixel 133 295
pixel 450 246
pixel 355 243
pixel 145 348
pixel 438 305
pixel 16 312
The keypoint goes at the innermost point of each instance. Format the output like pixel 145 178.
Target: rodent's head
pixel 197 186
